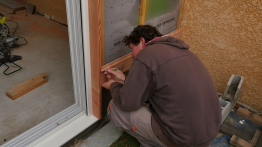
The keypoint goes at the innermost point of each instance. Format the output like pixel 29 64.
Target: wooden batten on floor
pixel 249 115
pixel 256 137
pixel 13 5
pixel 230 130
pixel 26 86
pixel 238 142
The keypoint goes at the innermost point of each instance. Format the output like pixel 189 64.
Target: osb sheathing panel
pixel 227 36
pixel 56 9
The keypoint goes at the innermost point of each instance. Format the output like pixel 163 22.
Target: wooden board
pixel 21 85
pixel 55 9
pixel 11 4
pixel 259 143
pixel 180 14
pixel 231 130
pixel 256 137
pixel 95 10
pixel 249 115
pixel 102 32
pixel 142 14
pixel 238 142
pixel 26 86
pixel 123 63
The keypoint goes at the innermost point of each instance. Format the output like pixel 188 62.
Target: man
pixel 183 110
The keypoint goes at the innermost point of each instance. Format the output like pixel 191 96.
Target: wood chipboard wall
pixel 56 9
pixel 227 36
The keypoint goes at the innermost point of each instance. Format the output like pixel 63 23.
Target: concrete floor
pixel 47 51
pixel 104 137
pixel 108 134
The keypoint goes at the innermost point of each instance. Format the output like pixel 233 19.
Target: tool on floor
pixel 6 42
pixel 5 34
pixel 6 57
pixel 26 86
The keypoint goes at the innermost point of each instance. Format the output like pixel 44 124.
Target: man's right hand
pixel 118 75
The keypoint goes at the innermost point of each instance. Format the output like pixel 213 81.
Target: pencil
pixel 113 70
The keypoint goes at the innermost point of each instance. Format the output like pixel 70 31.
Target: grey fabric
pixel 139 119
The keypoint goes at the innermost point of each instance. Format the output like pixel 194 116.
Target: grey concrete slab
pixel 82 145
pixel 104 137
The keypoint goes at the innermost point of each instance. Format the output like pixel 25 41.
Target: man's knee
pixel 109 109
pixel 112 113
pixel 118 117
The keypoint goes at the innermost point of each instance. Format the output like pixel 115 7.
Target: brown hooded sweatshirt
pixel 184 102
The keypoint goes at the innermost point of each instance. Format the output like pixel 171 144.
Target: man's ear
pixel 143 40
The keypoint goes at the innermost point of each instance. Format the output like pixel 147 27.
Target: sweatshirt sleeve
pixel 137 89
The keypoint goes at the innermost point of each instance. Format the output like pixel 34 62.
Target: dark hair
pixel 148 32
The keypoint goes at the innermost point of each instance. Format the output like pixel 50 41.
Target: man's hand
pixel 107 84
pixel 118 75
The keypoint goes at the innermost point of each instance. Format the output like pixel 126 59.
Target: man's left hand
pixel 107 84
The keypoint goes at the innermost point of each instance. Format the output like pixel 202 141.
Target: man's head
pixel 140 36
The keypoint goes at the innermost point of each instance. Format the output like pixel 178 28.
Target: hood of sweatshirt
pixel 169 40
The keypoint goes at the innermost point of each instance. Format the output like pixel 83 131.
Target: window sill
pixel 66 132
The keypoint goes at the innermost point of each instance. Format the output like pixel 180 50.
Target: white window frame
pixel 60 128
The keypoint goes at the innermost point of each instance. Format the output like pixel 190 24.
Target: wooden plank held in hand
pixel 238 142
pixel 123 62
pixel 249 115
pixel 26 86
